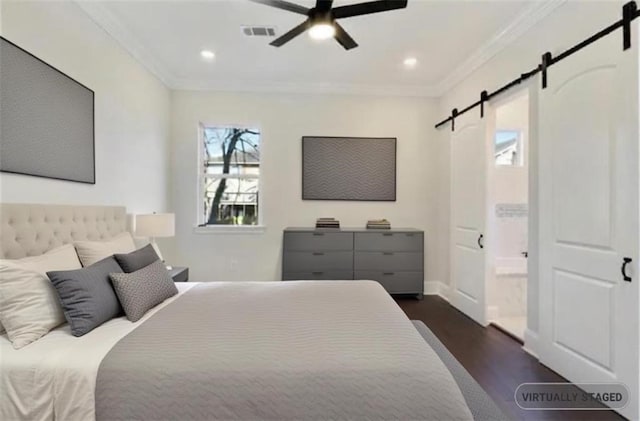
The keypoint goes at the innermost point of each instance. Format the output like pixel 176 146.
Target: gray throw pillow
pixel 144 289
pixel 87 297
pixel 138 259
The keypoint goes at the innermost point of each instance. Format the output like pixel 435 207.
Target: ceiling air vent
pixel 259 31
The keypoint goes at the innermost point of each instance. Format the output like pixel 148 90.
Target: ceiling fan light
pixel 321 31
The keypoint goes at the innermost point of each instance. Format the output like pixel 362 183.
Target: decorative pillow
pixel 144 289
pixel 91 252
pixel 29 306
pixel 138 259
pixel 87 297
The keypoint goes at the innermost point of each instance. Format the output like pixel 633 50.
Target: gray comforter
pixel 289 350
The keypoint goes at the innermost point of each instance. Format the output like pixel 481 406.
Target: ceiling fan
pixel 321 19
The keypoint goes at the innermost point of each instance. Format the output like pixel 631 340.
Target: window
pixel 508 148
pixel 229 176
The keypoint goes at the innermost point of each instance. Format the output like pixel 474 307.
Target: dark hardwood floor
pixel 492 357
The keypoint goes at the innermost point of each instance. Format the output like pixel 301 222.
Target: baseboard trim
pixel 437 288
pixel 492 313
pixel 531 343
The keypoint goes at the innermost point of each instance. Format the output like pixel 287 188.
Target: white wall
pixel 566 26
pixel 284 119
pixel 131 110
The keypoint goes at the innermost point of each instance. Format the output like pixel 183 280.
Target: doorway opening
pixel 507 217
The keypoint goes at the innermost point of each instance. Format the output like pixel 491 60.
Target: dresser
pixel 395 258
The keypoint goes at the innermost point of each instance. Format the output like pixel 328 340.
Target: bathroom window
pixel 508 148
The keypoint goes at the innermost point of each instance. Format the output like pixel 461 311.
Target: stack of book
pixel 327 223
pixel 378 224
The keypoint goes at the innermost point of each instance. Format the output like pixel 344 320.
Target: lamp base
pixel 153 243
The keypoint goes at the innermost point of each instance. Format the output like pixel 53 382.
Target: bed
pixel 238 350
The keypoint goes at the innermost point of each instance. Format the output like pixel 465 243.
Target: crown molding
pixel 106 20
pixel 303 88
pixel 517 28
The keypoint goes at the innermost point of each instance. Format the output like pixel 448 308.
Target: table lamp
pixel 155 225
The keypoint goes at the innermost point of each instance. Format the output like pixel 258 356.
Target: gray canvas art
pixel 46 119
pixel 346 168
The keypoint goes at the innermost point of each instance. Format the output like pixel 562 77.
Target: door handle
pixel 623 269
pixel 480 241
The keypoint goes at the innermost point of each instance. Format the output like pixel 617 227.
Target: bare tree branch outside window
pixel 231 171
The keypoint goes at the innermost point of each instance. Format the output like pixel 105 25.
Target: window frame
pixel 199 227
pixel 519 147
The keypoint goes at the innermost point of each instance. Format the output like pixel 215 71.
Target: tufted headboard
pixel 30 230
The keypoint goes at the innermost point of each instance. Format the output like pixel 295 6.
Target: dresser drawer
pixel 318 241
pixel 389 241
pixel 307 261
pixel 395 282
pixel 318 275
pixel 388 261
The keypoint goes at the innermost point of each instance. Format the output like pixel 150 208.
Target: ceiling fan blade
pixel 343 37
pixel 284 5
pixel 323 5
pixel 367 8
pixel 291 34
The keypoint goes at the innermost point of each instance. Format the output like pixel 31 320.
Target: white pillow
pixel 29 304
pixel 91 252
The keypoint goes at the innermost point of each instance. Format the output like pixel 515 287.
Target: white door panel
pixel 586 150
pixel 588 192
pixel 582 316
pixel 468 203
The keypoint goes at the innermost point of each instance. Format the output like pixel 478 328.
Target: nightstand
pixel 179 274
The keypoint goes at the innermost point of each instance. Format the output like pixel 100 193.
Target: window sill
pixel 230 229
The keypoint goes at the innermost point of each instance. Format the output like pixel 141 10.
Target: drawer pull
pixel 318 234
pixel 318 254
pixel 387 273
pixel 387 253
pixel 317 273
pixel 387 234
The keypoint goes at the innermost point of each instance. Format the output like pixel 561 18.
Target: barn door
pixel 468 206
pixel 588 154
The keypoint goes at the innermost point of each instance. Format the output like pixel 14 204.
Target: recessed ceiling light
pixel 207 55
pixel 410 62
pixel 322 31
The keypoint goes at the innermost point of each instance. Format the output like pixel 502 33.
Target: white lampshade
pixel 155 225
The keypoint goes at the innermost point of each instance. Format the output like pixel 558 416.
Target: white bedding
pixel 54 378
